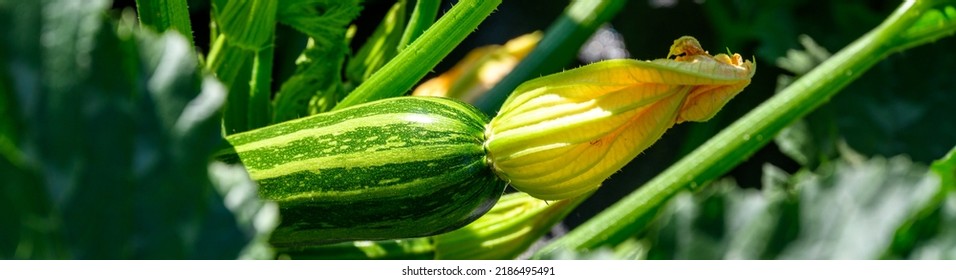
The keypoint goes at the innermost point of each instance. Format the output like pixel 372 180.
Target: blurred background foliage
pixel 106 143
pixel 851 180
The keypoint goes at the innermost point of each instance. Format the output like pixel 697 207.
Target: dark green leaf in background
pixel 323 20
pixel 317 81
pixel 112 152
pixel 255 218
pixel 163 15
pixel 241 56
pixel 812 140
pixel 852 208
pixel 723 221
pixel 904 105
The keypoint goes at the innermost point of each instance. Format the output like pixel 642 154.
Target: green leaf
pixel 853 210
pixel 256 218
pixel 241 57
pixel 324 21
pixel 118 126
pixel 316 84
pixel 247 24
pixel 846 209
pixel 27 228
pixel 26 231
pixel 260 88
pixel 813 139
pixel 166 14
pixel 317 78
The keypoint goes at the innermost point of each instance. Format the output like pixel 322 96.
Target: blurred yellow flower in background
pixel 480 70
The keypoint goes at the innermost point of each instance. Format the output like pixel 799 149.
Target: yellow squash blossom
pixel 561 135
pixel 480 70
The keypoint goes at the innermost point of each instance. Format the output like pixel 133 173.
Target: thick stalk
pixel 260 95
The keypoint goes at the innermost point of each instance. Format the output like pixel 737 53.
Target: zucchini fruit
pixel 395 168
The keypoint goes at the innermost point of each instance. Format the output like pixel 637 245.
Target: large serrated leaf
pixel 846 209
pixel 317 77
pixel 323 20
pixel 853 210
pixel 117 128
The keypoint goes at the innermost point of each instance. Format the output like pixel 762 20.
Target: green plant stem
pixel 260 102
pixel 166 14
pixel 744 137
pixel 245 31
pixel 422 17
pixel 410 65
pixel 559 46
pixel 231 65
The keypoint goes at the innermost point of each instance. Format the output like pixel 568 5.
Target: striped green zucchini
pixel 395 168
